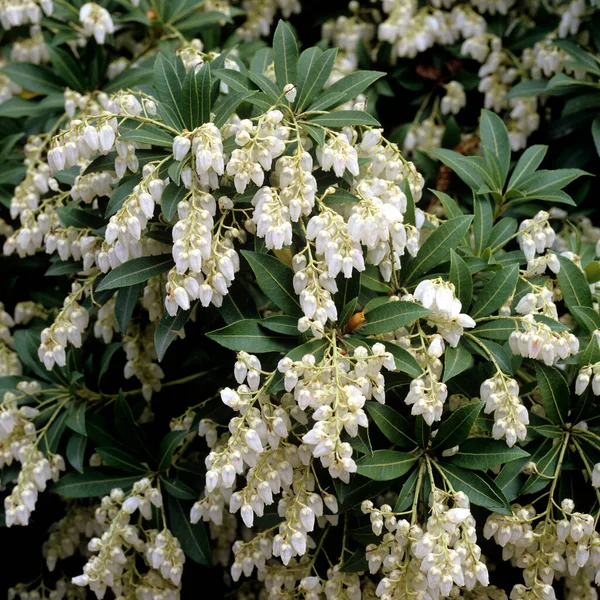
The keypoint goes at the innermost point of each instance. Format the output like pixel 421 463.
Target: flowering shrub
pixel 255 324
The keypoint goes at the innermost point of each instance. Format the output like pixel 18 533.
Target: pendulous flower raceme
pixel 323 329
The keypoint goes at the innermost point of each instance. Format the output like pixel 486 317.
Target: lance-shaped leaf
pixel 345 118
pixel 168 85
pixel 480 489
pixel 495 142
pixel 392 424
pixel 192 536
pixel 275 279
pixel 573 284
pixel 480 454
pixel 392 316
pixel 135 271
pixel 437 246
pixel 195 97
pixel 92 483
pixel 555 393
pixel 456 428
pixel 249 336
pixel 384 465
pixel 530 160
pixel 496 292
pixel 456 360
pixel 285 55
pixel 461 278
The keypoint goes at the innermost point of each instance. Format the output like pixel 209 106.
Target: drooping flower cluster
pixel 538 341
pixel 501 397
pixel 433 560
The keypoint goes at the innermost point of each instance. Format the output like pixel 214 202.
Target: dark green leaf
pixel 195 97
pixel 76 451
pixel 168 446
pixel 456 428
pixel 172 195
pixel 136 270
pixel 168 86
pixel 480 489
pixel 392 424
pixel 385 465
pixel 248 335
pixel 554 391
pixel 285 55
pixel 167 330
pixel 193 538
pixel 392 316
pixel 76 417
pixel 495 142
pixel 573 284
pixel 437 246
pixel 35 78
pixel 178 489
pixel 407 493
pixel 456 361
pixel 496 292
pixel 461 278
pixel 530 160
pixel 480 454
pixel 344 118
pixel 125 304
pixel 66 67
pixel 275 279
pixel 120 459
pixel 93 483
pixel 314 68
pixel 148 134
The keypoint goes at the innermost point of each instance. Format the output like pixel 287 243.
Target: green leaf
pixel 27 342
pixel 498 352
pixel 131 433
pixel 422 432
pixel 528 89
pixel 128 79
pixel 172 195
pixel 136 270
pixel 178 489
pixel 356 563
pixel 573 284
pixel 344 118
pixel 228 105
pixel 480 454
pixel 554 391
pixel 456 428
pixel 193 538
pixel 437 246
pixel 49 443
pixel 346 89
pixel 482 224
pixel 275 280
pixel 596 133
pixel 168 86
pixel 119 196
pixel 195 97
pixel 314 69
pixel 456 361
pixel 265 85
pixel 450 205
pixel 120 459
pixel 76 451
pixel 285 55
pixel 248 335
pixel 461 278
pixel 67 68
pixel 496 292
pixel 340 196
pixel 167 448
pixel 281 324
pixel 588 316
pixel 392 316
pixel 392 424
pixel 546 466
pixel 460 164
pixel 530 160
pixel 106 357
pixel 407 493
pixel 361 442
pixel 125 304
pixel 480 489
pixel 76 417
pixel 495 142
pixel 167 330
pixel 35 78
pixel 385 465
pixel 499 329
pixel 404 360
pixel 93 483
pixel 147 134
pixel 502 232
pixel 542 182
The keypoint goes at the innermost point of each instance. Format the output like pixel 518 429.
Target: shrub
pixel 354 375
